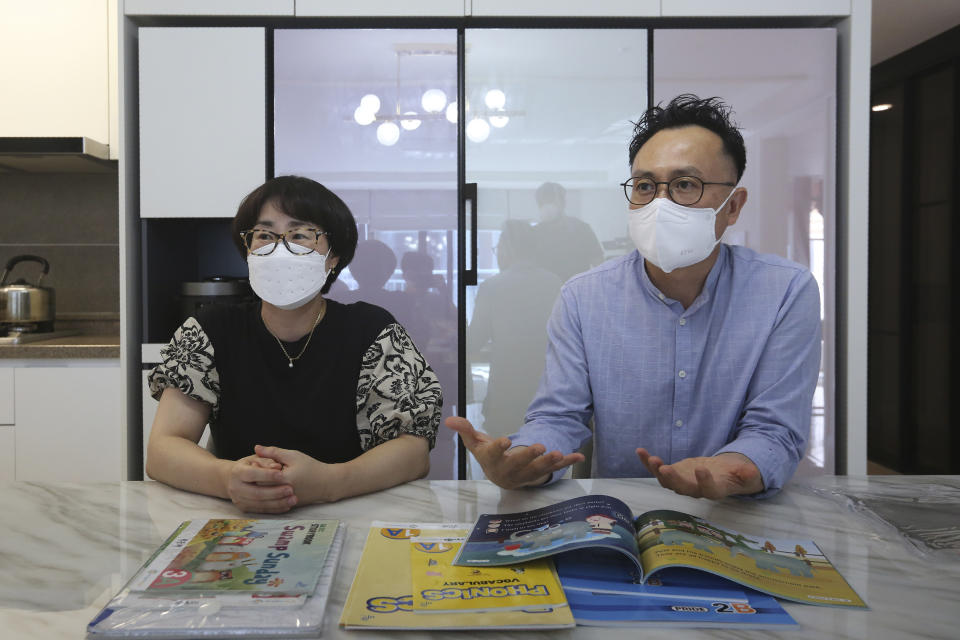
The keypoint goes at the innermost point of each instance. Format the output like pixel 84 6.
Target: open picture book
pixel 661 543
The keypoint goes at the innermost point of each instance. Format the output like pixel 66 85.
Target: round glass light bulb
pixel 388 133
pixel 409 123
pixel 433 100
pixel 363 116
pixel 478 130
pixel 370 103
pixel 452 112
pixel 499 121
pixel 495 99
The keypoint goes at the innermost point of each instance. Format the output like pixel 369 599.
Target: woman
pixel 339 393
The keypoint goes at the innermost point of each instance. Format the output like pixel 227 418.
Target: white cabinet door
pixel 202 119
pixel 8 461
pixel 7 402
pixel 382 8
pixel 68 423
pixel 55 69
pixel 209 7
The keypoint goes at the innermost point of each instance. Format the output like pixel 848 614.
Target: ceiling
pixel 899 24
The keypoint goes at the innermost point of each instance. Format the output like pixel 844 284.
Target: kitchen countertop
pixel 78 346
pixel 66 548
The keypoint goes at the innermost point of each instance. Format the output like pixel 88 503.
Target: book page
pixel 587 521
pixel 792 569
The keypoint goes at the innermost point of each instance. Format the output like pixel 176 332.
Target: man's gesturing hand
pixel 519 467
pixel 707 477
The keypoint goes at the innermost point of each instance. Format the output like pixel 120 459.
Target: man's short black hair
pixel 307 200
pixel 688 109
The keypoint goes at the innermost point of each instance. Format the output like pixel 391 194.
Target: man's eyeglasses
pixel 299 240
pixel 684 190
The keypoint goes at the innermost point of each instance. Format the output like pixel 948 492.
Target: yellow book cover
pixel 439 586
pixel 380 596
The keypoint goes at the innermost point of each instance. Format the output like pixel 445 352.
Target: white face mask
pixel 672 236
pixel 287 280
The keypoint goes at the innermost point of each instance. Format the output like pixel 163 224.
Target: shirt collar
pixel 709 286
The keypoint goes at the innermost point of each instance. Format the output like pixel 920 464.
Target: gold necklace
pixel 323 310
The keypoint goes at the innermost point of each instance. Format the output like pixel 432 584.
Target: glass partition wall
pixel 547 118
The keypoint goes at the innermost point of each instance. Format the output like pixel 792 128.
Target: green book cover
pixel 270 557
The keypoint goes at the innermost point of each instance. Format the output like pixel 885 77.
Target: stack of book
pixel 229 577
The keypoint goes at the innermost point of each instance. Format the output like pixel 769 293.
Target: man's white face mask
pixel 285 279
pixel 672 236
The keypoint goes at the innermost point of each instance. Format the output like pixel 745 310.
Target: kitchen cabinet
pixel 614 8
pixel 383 8
pixel 202 119
pixel 209 7
pixel 7 406
pixel 68 424
pixel 61 68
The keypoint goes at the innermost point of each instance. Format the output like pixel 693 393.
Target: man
pixel 696 360
pixel 510 314
pixel 564 245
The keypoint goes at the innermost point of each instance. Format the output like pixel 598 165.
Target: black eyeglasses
pixel 299 240
pixel 684 190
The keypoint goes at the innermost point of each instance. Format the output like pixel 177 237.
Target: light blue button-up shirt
pixel 735 371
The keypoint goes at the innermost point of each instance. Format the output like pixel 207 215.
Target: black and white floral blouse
pixel 360 382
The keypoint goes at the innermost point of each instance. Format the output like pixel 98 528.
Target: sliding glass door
pixel 548 122
pixel 364 112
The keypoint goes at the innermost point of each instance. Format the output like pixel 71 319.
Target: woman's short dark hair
pixel 307 200
pixel 688 109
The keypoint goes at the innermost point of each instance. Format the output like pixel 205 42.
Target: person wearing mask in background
pixel 697 360
pixel 341 396
pixel 564 245
pixel 510 315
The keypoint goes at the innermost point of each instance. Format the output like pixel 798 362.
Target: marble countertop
pixel 78 346
pixel 66 548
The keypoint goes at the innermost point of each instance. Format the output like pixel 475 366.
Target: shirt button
pixel 683 321
pixel 679 423
pixel 661 296
pixel 682 374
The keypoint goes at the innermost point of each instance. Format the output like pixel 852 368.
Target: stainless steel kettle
pixel 24 306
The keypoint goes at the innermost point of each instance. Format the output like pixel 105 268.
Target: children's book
pixel 381 594
pixel 141 612
pixel 268 557
pixel 659 541
pixel 439 586
pixel 753 609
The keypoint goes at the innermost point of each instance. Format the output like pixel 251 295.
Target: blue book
pixel 754 610
pixel 606 571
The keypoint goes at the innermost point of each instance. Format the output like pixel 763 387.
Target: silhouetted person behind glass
pixel 566 246
pixel 372 266
pixel 510 313
pixel 433 328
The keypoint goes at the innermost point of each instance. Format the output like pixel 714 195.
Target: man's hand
pixel 713 477
pixel 255 485
pixel 519 467
pixel 311 480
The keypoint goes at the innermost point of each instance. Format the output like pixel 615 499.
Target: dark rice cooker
pixel 25 307
pixel 212 291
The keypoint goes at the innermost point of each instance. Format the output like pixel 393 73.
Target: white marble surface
pixel 66 548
